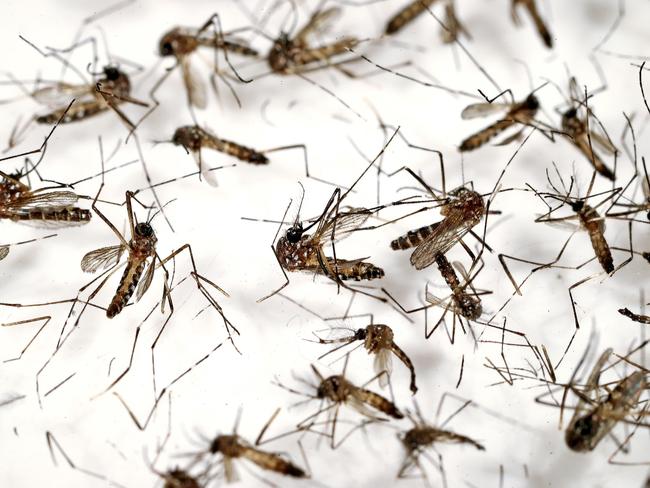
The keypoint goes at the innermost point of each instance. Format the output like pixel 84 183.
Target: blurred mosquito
pixel 531 8
pixel 182 42
pixel 292 55
pixel 335 391
pixel 517 113
pixel 596 415
pixel 5 248
pixel 195 138
pixel 377 339
pixel 579 132
pixel 232 446
pixel 642 319
pixel 589 220
pixel 452 27
pixel 423 436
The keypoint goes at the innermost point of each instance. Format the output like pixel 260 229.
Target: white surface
pixel 99 435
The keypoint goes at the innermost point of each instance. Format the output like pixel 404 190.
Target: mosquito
pixel 181 43
pixel 531 8
pixel 578 130
pixel 294 55
pixel 591 423
pixel 195 138
pixel 378 340
pixel 298 251
pixel 462 211
pixel 233 446
pixel 423 436
pixel 336 391
pixel 642 319
pixel 517 113
pixel 407 15
pixel 453 27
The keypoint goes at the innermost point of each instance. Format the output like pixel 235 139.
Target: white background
pixel 98 434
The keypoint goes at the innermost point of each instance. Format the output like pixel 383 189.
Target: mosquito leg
pixel 46 320
pixel 286 278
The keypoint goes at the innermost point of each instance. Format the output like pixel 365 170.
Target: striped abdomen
pixel 357 271
pixel 378 402
pixel 413 237
pixel 482 137
pixel 401 355
pixel 596 228
pixel 75 113
pixel 447 272
pixel 406 15
pixel 272 462
pixel 72 215
pixel 323 53
pixel 238 151
pixel 129 281
pixel 582 143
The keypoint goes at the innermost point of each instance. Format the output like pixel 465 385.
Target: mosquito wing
pixel 603 142
pixel 444 236
pixel 483 109
pixel 318 22
pixel 145 282
pixel 383 363
pixel 342 224
pixel 196 91
pixel 230 472
pixel 4 250
pixel 208 175
pixel 39 199
pixel 591 386
pixel 102 258
pixel 61 93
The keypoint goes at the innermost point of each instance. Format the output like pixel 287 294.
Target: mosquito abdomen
pixel 76 215
pixel 482 137
pixel 273 462
pixel 380 403
pixel 238 151
pixel 323 53
pixel 361 271
pixel 76 113
pixel 406 15
pixel 125 290
pixel 413 237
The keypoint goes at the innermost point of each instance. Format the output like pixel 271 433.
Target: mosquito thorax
pixel 579 436
pixel 177 478
pixel 531 102
pixel 465 200
pixel 470 307
pixel 188 136
pixel 413 439
pixel 111 73
pixel 175 43
pixel 279 55
pixel 294 233
pixel 228 445
pixel 335 388
pixel 378 336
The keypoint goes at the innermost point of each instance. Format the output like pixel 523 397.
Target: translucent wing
pixel 356 401
pixel 591 386
pixel 102 258
pixel 603 142
pixel 196 91
pixel 37 199
pixel 145 281
pixel 61 93
pixel 342 224
pixel 383 362
pixel 317 22
pixel 206 174
pixel 4 250
pixel 444 236
pixel 483 109
pixel 230 473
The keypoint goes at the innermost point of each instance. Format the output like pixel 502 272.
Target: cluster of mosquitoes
pixel 128 264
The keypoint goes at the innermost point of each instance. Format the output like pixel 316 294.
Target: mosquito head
pixel 531 102
pixel 188 136
pixel 168 43
pixel 579 437
pixel 144 229
pixel 577 206
pixel 572 113
pixel 111 73
pixel 294 233
pixel 360 334
pixel 335 388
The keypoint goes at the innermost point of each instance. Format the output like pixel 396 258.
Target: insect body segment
pixel 194 138
pixel 580 135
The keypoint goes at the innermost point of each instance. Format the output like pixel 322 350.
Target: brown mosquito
pixel 298 251
pixel 424 436
pixel 406 15
pixel 377 339
pixel 226 448
pixel 579 131
pixel 195 138
pixel 531 8
pixel 294 55
pixel 517 113
pixel 335 391
pixel 453 27
pixel 595 415
pixel 181 43
pixel 642 319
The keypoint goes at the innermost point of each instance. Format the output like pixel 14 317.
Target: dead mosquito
pixel 195 138
pixel 182 42
pixel 452 27
pixel 336 391
pixel 377 339
pixel 517 113
pixel 531 8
